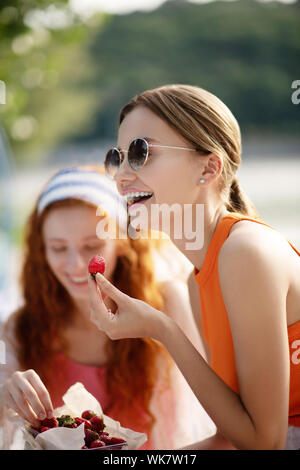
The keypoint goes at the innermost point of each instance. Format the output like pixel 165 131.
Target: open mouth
pixel 79 280
pixel 135 199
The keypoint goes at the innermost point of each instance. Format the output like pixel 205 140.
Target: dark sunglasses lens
pixel 112 162
pixel 137 153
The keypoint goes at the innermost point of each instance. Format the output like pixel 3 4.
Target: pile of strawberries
pixel 95 436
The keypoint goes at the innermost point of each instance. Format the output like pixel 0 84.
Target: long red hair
pixel 48 309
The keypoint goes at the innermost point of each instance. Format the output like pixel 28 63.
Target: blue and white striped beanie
pixel 87 185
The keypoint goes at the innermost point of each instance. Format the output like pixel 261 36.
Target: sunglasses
pixel 137 156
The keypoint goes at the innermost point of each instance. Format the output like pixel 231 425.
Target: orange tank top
pixel 215 323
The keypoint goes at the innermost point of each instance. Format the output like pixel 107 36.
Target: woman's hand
pixel 133 318
pixel 26 394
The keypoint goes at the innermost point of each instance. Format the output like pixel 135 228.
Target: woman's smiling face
pixel 171 175
pixel 70 239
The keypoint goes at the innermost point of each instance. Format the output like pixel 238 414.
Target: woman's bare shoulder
pixel 171 289
pixel 252 249
pixel 247 235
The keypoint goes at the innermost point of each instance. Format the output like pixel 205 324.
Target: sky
pixel 113 6
pixel 87 7
pixel 56 18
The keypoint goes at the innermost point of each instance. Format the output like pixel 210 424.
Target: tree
pixel 42 64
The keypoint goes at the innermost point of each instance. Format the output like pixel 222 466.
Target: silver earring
pixel 202 181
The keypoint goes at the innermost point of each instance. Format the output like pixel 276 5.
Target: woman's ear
pixel 212 168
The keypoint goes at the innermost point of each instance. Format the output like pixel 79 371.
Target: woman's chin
pixel 78 290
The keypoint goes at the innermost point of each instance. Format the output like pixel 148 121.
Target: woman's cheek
pixel 55 263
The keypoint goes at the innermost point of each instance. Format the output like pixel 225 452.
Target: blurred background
pixel 66 68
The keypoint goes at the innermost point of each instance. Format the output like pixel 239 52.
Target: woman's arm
pixel 254 286
pixel 22 391
pixel 191 421
pixel 215 442
pixel 10 363
pixel 196 309
pixel 177 307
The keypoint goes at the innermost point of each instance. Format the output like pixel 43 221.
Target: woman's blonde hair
pixel 206 122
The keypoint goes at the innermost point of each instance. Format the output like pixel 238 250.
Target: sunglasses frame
pixel 121 157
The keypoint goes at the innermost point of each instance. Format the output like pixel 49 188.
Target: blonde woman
pixel 182 145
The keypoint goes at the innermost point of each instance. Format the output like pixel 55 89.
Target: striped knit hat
pixel 88 185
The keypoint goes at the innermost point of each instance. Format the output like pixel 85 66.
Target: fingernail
pixel 99 277
pixel 42 416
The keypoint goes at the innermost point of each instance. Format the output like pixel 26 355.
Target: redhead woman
pixel 51 342
pixel 182 145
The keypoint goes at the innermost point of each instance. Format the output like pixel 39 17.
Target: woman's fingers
pixel 26 414
pixel 111 291
pixel 95 294
pixel 29 397
pixel 43 394
pixel 16 400
pixel 33 390
pixel 99 312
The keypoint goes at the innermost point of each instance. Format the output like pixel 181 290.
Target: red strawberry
pixel 84 447
pixel 97 443
pixel 97 423
pixel 97 265
pixel 117 440
pixel 112 440
pixel 49 423
pixel 72 425
pixel 87 424
pixel 88 414
pixel 44 428
pixel 66 421
pixel 90 436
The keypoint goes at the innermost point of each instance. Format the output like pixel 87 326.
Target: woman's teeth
pixel 133 197
pixel 79 280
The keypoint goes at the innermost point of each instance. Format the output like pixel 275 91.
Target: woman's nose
pixel 124 172
pixel 75 262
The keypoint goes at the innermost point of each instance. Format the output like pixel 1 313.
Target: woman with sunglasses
pixel 182 145
pixel 51 342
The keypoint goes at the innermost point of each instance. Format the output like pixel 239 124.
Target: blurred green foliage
pixel 72 81
pixel 245 52
pixel 43 63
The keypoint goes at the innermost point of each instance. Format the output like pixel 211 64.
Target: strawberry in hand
pixel 97 265
pixel 133 318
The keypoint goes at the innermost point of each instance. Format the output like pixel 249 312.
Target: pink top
pixel 66 372
pixel 180 419
pixel 92 377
